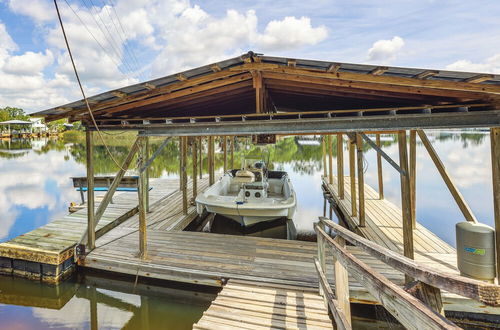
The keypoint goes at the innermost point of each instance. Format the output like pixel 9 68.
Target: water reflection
pixel 98 302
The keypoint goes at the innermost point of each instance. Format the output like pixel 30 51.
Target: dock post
pixel 323 144
pixel 405 198
pixel 495 162
pixel 90 190
pixel 141 160
pixel 233 139
pixel 379 169
pixel 146 157
pixel 352 173
pixel 200 158
pixel 340 165
pixel 195 167
pixel 94 323
pixel 361 180
pixel 330 160
pixel 342 283
pixel 413 177
pixel 211 174
pixel 184 174
pixel 224 146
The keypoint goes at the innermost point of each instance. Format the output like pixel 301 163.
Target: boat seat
pixel 244 176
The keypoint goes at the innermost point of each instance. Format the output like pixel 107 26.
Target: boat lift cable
pixel 81 88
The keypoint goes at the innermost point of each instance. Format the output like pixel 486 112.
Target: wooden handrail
pixel 340 318
pixel 484 292
pixel 411 312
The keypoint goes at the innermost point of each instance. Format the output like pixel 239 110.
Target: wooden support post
pixel 340 165
pixel 495 162
pixel 200 158
pixel 323 144
pixel 233 139
pixel 224 146
pixel 379 170
pixel 405 198
pixel 429 295
pixel 194 154
pixel 330 160
pixel 94 323
pixel 184 174
pixel 146 157
pixel 210 160
pixel 352 173
pixel 259 91
pixel 361 180
pixel 342 283
pixel 90 190
pixel 413 177
pixel 141 159
pixel 459 199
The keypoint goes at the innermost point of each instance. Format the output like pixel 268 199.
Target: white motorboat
pixel 250 195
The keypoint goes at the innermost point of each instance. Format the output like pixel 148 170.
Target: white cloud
pixel 385 51
pixel 39 10
pixel 29 63
pixel 290 33
pixel 490 65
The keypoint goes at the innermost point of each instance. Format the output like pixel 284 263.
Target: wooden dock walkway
pixel 384 227
pixel 250 305
pixel 47 253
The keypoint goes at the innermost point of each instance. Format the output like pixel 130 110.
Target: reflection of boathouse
pixel 392 260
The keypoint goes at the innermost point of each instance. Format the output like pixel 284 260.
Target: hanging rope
pixel 81 89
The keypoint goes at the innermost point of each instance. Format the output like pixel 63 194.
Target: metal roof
pixel 16 122
pixel 455 76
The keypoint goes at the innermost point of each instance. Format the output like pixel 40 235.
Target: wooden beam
pixel 323 145
pixel 330 159
pixel 333 68
pixel 147 153
pixel 194 155
pixel 352 174
pixel 413 177
pixel 383 154
pixel 90 190
pixel 149 86
pixel 340 165
pixel 184 143
pixel 233 140
pixel 379 169
pixel 215 67
pixel 379 70
pixel 341 321
pixel 426 74
pixel 457 196
pixel 181 77
pixel 143 244
pixel 224 146
pixel 482 291
pixel 405 199
pixel 479 78
pixel 361 180
pixel 200 148
pixel 210 159
pixel 119 94
pixel 429 295
pixel 155 154
pixel 291 62
pixel 259 91
pixel 342 283
pixel 408 310
pixel 495 170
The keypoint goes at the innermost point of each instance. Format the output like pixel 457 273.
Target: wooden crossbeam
pixel 379 70
pixel 291 62
pixel 426 74
pixel 119 94
pixel 479 78
pixel 149 86
pixel 333 68
pixel 181 77
pixel 215 67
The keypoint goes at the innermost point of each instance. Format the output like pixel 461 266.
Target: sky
pixel 121 42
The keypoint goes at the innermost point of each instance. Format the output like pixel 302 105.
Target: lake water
pixel 35 187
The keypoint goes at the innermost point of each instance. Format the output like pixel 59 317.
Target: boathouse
pixel 382 255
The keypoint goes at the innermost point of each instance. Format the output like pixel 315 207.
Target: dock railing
pixel 417 306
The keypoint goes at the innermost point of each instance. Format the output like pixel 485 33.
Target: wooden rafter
pixel 479 78
pixel 181 77
pixel 333 68
pixel 426 74
pixel 379 70
pixel 149 86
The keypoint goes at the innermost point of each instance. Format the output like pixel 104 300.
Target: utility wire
pixel 81 87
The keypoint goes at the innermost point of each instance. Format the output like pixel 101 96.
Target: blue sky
pixel 139 40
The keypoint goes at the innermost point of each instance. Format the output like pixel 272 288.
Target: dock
pixel 47 253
